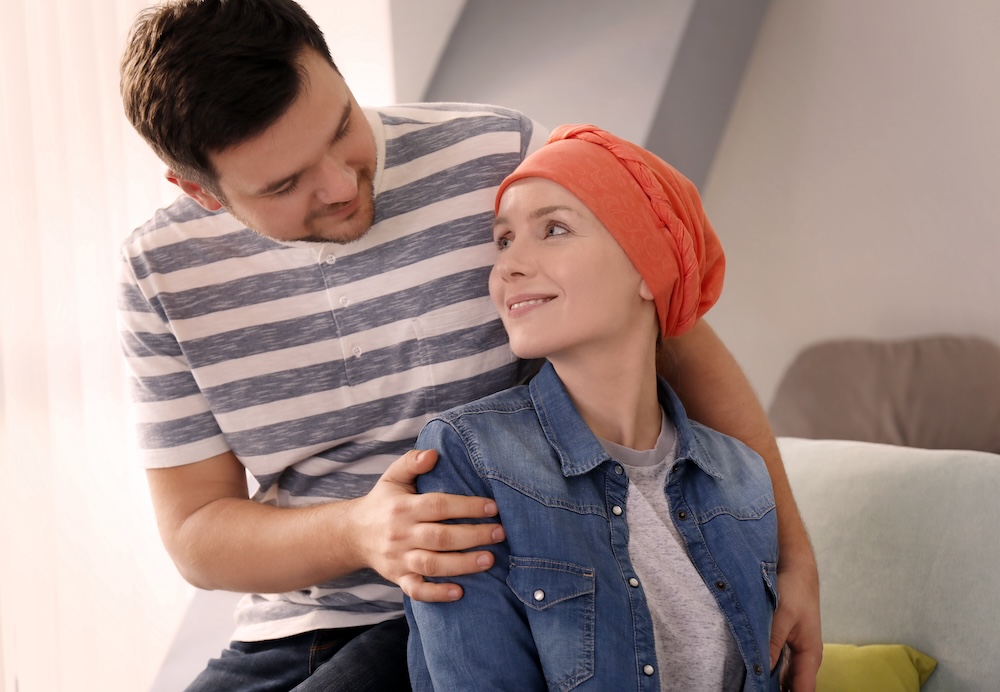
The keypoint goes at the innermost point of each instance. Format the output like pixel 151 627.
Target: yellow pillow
pixel 873 668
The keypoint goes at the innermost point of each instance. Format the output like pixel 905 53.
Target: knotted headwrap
pixel 653 211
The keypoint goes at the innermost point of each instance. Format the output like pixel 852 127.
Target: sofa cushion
pixel 873 668
pixel 908 546
pixel 938 392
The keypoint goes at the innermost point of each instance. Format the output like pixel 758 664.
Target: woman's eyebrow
pixel 537 213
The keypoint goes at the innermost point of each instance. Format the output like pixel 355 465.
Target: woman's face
pixel 561 283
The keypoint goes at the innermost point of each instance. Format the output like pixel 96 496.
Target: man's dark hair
pixel 199 76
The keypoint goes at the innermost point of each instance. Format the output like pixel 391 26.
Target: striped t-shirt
pixel 318 363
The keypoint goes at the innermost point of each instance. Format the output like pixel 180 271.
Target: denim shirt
pixel 561 608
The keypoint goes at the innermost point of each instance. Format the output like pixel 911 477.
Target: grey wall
pixel 661 73
pixel 855 188
pixel 702 86
pixel 564 61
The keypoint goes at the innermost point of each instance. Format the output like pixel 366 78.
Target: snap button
pixel 357 351
pixel 648 669
pixel 720 585
pixel 539 595
pixel 682 515
pixel 757 669
pixel 633 582
pixel 618 469
pixel 616 510
pixel 330 259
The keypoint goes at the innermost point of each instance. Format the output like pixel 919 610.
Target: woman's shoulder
pixel 513 400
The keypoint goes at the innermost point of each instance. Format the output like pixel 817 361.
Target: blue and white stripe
pixel 318 364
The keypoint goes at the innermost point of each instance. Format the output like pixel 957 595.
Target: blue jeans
pixel 354 659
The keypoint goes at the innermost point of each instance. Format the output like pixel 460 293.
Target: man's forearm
pixel 242 545
pixel 715 392
pixel 220 539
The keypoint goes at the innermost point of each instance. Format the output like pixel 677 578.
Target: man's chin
pixel 332 230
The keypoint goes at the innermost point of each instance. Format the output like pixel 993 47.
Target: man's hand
pixel 401 536
pixel 797 624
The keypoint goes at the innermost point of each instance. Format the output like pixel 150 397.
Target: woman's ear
pixel 644 291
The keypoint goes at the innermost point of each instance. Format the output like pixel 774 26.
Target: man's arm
pixel 220 539
pixel 715 392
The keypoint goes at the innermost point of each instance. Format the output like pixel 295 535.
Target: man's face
pixel 310 175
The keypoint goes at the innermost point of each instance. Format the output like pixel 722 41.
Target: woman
pixel 641 546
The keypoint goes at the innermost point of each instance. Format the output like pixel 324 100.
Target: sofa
pixel 906 541
pixel 907 545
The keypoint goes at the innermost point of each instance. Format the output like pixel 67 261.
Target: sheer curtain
pixel 88 598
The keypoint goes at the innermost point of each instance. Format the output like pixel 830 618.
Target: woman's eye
pixel 555 229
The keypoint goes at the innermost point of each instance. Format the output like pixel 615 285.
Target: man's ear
pixel 644 291
pixel 195 191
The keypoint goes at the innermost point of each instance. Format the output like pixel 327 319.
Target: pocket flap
pixel 539 583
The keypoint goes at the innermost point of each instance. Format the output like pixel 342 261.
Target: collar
pixel 578 448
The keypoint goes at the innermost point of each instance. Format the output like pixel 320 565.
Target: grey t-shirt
pixel 695 649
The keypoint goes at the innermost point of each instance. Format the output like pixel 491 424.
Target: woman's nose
pixel 515 260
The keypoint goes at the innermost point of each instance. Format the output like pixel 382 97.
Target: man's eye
pixel 343 131
pixel 503 243
pixel 287 190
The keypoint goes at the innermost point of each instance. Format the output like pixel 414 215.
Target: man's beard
pixel 363 214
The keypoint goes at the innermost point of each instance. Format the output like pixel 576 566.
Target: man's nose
pixel 338 182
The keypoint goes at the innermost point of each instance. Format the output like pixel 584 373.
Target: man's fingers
pixel 414 586
pixel 431 507
pixel 780 626
pixel 431 564
pixel 405 469
pixel 802 671
pixel 452 537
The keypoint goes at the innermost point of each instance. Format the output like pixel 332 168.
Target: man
pixel 310 350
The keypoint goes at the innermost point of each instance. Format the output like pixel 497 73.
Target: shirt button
pixel 616 510
pixel 648 669
pixel 720 585
pixel 345 301
pixel 539 595
pixel 330 259
pixel 633 582
pixel 357 351
pixel 757 669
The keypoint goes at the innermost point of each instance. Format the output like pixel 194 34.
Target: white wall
pixel 420 34
pixel 856 186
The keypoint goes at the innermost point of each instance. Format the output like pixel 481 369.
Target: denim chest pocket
pixel 558 599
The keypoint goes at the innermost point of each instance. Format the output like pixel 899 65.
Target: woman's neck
pixel 615 395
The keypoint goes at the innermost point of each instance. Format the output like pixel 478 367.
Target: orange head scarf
pixel 653 212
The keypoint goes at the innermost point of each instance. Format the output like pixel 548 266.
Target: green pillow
pixel 873 668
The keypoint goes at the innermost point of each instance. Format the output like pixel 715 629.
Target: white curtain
pixel 88 598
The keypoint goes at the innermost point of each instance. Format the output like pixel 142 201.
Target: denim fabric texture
pixel 350 659
pixel 557 610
